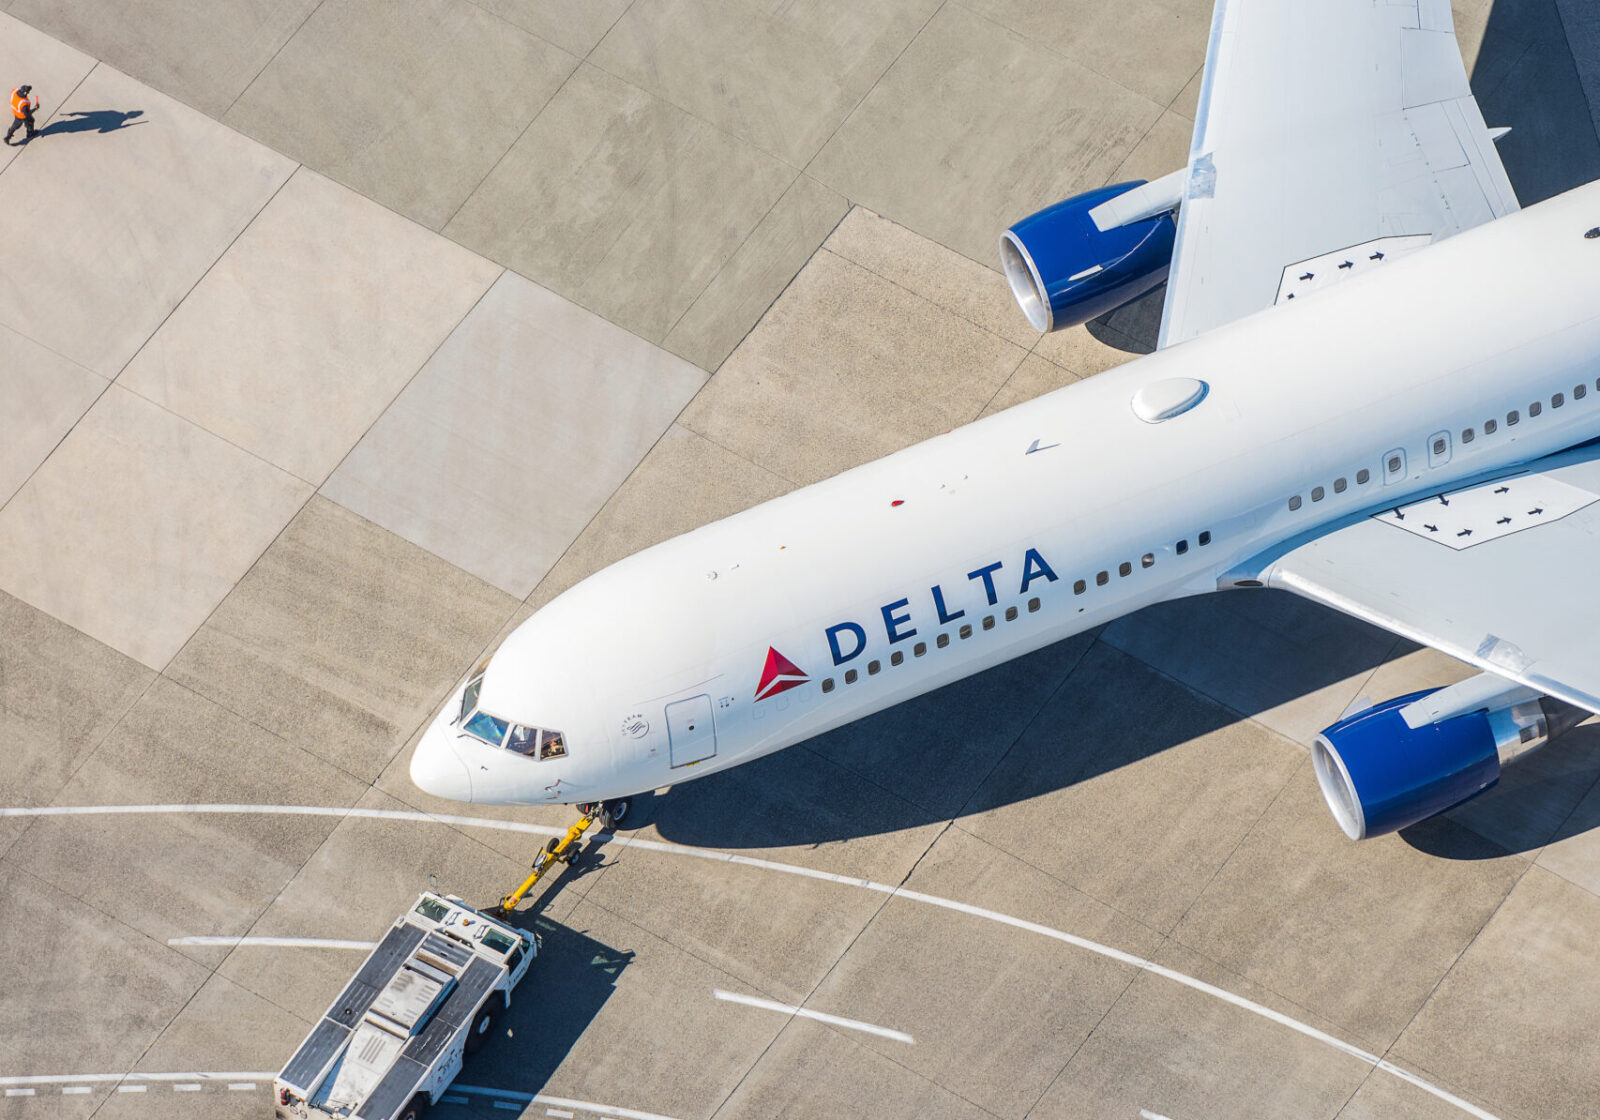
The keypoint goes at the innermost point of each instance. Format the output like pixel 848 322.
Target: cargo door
pixel 691 734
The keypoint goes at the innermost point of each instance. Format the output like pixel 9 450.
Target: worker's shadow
pixel 93 120
pixel 554 1005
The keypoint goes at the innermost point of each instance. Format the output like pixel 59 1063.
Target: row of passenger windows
pixel 1440 447
pixel 920 649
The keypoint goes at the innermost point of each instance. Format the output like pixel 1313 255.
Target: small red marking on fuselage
pixel 779 675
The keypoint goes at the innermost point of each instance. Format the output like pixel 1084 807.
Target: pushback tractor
pixel 427 996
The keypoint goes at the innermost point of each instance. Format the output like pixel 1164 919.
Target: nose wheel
pixel 562 849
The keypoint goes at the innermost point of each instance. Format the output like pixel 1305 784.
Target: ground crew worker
pixel 22 107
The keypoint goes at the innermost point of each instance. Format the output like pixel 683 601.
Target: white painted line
pixel 188 1087
pixel 561 1114
pixel 19 1092
pixel 241 1086
pixel 277 942
pixel 101 1078
pixel 73 1090
pixel 625 842
pixel 132 1088
pixel 560 1102
pixel 509 1106
pixel 807 1013
pixel 451 1098
pixel 1146 1114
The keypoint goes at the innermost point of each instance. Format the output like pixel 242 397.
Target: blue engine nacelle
pixel 1379 774
pixel 1065 270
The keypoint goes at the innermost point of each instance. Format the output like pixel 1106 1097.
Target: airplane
pixel 1376 385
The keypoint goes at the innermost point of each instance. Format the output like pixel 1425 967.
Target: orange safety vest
pixel 19 105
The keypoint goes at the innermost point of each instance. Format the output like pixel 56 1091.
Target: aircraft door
pixel 691 733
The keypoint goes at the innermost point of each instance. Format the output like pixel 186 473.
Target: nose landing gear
pixel 562 849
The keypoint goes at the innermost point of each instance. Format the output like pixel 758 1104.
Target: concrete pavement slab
pixel 757 273
pixel 1384 1098
pixel 816 1071
pixel 410 104
pixel 1174 1051
pixel 950 141
pixel 976 292
pixel 202 52
pixel 309 325
pixel 891 369
pixel 88 998
pixel 1148 46
pixel 185 874
pixel 654 505
pixel 781 78
pixel 343 639
pixel 621 202
pixel 645 1033
pixel 1131 788
pixel 1030 1000
pixel 42 395
pixel 1162 150
pixel 1035 377
pixel 225 1027
pixel 138 524
pixel 1531 973
pixel 573 25
pixel 1298 908
pixel 61 692
pixel 1574 851
pixel 514 434
pixel 49 65
pixel 115 211
pixel 1292 665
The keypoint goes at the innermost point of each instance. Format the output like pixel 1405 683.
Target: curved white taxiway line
pixel 766 865
pixel 807 1013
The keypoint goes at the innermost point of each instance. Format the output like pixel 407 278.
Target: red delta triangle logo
pixel 780 675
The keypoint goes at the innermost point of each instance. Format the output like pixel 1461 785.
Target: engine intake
pixel 1379 774
pixel 1065 270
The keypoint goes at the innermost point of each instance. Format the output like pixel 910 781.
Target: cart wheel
pixel 416 1108
pixel 482 1025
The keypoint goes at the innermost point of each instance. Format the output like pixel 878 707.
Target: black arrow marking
pixel 1503 490
pixel 1348 264
pixel 1465 533
pixel 1503 521
pixel 1376 257
pixel 1431 528
pixel 1444 501
pixel 1308 276
pixel 1536 511
pixel 1398 514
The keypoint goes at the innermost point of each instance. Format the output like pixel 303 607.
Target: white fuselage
pixel 969 549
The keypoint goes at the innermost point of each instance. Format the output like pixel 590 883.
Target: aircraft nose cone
pixel 435 769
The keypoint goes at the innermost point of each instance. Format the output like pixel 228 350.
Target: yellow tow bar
pixel 558 850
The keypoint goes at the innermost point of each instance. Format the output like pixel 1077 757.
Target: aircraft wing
pixel 1331 136
pixel 1502 573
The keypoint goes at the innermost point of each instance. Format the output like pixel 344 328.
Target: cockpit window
pixel 522 740
pixel 484 726
pixel 469 697
pixel 553 745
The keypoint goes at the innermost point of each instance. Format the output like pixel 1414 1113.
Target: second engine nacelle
pixel 1379 774
pixel 1065 270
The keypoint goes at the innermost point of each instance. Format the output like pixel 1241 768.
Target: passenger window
pixel 896 657
pixel 1394 464
pixel 1317 493
pixel 552 744
pixel 872 668
pixel 1579 392
pixel 988 622
pixel 1148 560
pixel 1535 408
pixel 1183 546
pixel 1466 435
pixel 944 640
pixel 919 649
pixel 1512 418
pixel 1124 569
pixel 1294 502
pixel 965 632
pixel 850 676
pixel 1340 486
pixel 1490 427
pixel 1011 614
pixel 1205 538
pixel 1033 604
pixel 1079 587
pixel 1439 445
pixel 1102 578
pixel 827 684
pixel 1363 476
pixel 1558 400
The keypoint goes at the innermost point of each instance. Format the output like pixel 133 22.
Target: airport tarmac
pixel 336 337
